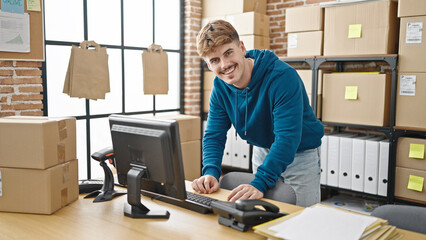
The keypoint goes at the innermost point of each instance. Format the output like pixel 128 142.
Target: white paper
pixel 321 222
pixel 14 32
pixel 407 85
pixel 292 40
pixel 414 32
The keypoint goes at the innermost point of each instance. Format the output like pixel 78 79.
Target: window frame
pixel 122 47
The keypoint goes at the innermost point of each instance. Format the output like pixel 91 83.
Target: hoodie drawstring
pixel 236 112
pixel 245 120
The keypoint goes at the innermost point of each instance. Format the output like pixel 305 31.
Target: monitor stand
pixel 134 208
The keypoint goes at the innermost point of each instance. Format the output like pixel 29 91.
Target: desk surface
pixel 84 219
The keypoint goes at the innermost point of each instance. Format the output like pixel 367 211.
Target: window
pixel 126 28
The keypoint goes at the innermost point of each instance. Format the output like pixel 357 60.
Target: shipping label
pixel 414 32
pixel 292 40
pixel 407 85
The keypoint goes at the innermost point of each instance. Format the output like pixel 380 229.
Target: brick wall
pixel 20 88
pixel 192 60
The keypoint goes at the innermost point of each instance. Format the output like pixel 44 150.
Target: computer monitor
pixel 147 157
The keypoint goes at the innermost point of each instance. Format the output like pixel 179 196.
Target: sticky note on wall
pixel 415 183
pixel 354 31
pixel 351 92
pixel 417 151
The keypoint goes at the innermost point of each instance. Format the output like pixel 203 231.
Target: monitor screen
pixel 154 145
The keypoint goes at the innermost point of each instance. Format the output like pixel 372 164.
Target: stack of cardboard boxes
pixel 411 87
pixel 363 28
pixel 190 142
pixel 410 98
pixel 38 165
pixel 247 16
pixel 304 26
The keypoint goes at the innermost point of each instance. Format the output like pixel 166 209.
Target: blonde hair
pixel 214 34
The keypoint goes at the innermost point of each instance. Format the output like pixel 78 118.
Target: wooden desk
pixel 84 219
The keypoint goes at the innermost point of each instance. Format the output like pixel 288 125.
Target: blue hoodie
pixel 272 112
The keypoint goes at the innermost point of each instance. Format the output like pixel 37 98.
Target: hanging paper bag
pixel 155 70
pixel 87 75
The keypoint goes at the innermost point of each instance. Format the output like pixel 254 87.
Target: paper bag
pixel 155 70
pixel 87 75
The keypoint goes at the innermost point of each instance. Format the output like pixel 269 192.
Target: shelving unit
pixel 391 132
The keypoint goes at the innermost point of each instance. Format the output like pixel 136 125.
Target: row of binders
pixel 237 151
pixel 358 163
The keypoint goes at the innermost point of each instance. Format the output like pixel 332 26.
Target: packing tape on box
pixel 61 152
pixel 62 124
pixel 65 179
pixel 62 129
pixel 1 187
pixel 66 172
pixel 64 197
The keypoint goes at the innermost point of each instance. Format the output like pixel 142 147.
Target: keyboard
pixel 195 202
pixel 201 199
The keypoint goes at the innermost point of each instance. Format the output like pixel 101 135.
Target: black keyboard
pixel 201 199
pixel 193 201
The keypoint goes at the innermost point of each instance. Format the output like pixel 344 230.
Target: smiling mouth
pixel 229 70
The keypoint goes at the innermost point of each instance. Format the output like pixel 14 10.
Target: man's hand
pixel 205 184
pixel 244 191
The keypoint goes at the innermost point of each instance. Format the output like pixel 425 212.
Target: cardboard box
pixel 213 8
pixel 191 156
pixel 319 104
pixel 189 126
pixel 370 106
pixel 410 100
pixel 305 44
pixel 412 45
pixel 402 178
pixel 408 8
pixel 36 142
pixel 306 76
pixel 38 191
pixel 250 23
pixel 255 42
pixel 208 80
pixel 376 34
pixel 403 158
pixel 302 19
pixel 206 100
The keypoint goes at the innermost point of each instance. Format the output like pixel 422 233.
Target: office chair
pixel 411 218
pixel 280 192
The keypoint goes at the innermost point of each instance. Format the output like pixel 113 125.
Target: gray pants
pixel 303 174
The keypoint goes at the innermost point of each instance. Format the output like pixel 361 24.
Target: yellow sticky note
pixel 351 92
pixel 417 151
pixel 415 183
pixel 354 31
pixel 33 5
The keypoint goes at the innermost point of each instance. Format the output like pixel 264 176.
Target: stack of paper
pixel 325 222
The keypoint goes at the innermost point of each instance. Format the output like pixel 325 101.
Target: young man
pixel 265 100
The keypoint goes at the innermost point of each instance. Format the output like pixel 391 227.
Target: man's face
pixel 228 63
